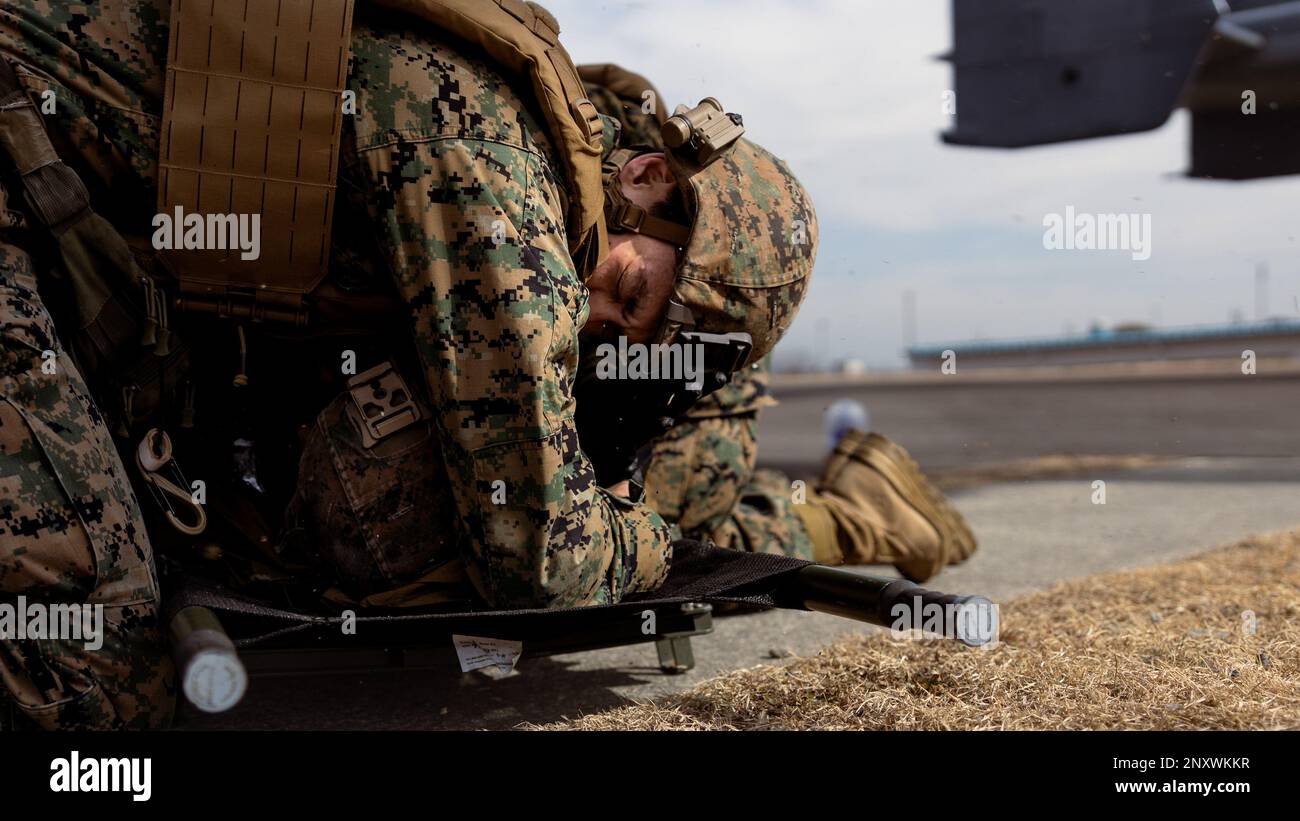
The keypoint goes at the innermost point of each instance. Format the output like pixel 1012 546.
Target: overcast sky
pixel 848 92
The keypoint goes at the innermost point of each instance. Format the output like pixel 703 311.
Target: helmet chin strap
pixel 622 216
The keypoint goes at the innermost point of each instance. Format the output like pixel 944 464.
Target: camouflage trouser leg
pixel 70 534
pixel 702 480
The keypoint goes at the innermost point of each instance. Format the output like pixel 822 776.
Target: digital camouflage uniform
pixel 467 209
pixel 702 478
pixel 71 532
pixel 458 185
pixel 70 528
pixel 701 475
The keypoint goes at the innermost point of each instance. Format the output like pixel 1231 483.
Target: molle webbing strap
pixel 54 192
pixel 252 122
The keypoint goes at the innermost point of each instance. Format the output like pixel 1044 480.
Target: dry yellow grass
pixel 1158 648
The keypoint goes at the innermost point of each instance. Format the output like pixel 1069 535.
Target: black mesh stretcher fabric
pixel 700 573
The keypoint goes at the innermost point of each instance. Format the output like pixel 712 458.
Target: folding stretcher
pixel 220 636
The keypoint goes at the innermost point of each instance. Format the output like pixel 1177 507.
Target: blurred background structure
pixel 1135 342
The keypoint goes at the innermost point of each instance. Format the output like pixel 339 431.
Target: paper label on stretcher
pixel 476 652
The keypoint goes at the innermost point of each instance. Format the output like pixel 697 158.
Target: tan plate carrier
pixel 252 124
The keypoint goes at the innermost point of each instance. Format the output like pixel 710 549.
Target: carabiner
pixel 151 457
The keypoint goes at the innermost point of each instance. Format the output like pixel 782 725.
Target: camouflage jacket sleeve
pixel 470 213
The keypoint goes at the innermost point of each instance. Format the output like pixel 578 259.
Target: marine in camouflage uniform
pixel 871 505
pixel 497 317
pixel 467 209
pixel 459 184
pixel 701 475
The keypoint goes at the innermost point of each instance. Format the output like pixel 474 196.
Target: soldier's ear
pixel 648 171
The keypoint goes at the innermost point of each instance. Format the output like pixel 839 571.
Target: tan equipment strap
pixel 54 192
pixel 523 38
pixel 252 123
pixel 624 216
pixel 629 218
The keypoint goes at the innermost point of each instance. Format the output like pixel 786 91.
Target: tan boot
pixel 885 511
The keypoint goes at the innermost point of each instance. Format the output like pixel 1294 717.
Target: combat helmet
pixel 746 257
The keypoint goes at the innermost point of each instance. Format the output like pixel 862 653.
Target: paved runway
pixel 965 422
